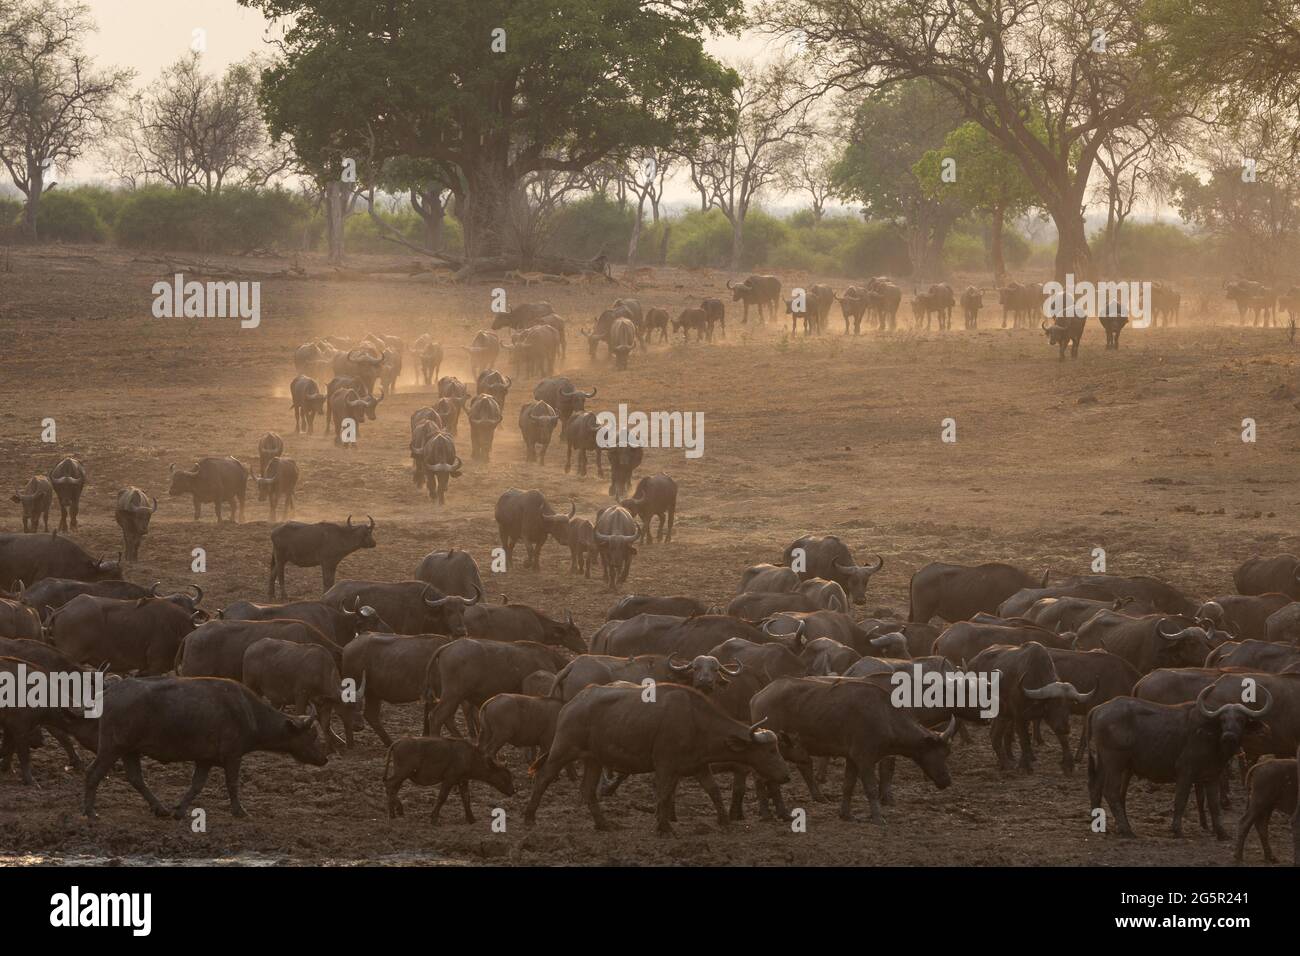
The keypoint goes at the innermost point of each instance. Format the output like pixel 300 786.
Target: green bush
pixel 68 217
pixel 593 224
pixel 233 221
pixel 1155 249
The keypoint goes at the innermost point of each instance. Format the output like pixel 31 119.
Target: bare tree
pixel 809 172
pixel 53 102
pixel 193 129
pixel 766 124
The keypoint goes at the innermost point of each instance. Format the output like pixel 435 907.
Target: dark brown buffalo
pixel 35 497
pixel 1184 744
pixel 469 671
pixel 521 720
pixel 1150 641
pixel 655 497
pixel 519 622
pixel 452 763
pixel 685 636
pixel 215 480
pixel 583 552
pixel 210 722
pixel 1071 613
pixel 141 635
pixel 1143 590
pixel 19 620
pixel 855 720
pixel 69 480
pixel 537 421
pixel 624 459
pixel 323 544
pixel 826 556
pixel 580 433
pixel 1245 616
pixel 308 402
pixel 278 482
pixel 1067 330
pixel 216 648
pixel 388 669
pixel 1270 785
pixel 616 535
pixel 957 592
pixel 960 642
pixel 679 735
pixel 563 396
pixel 451 572
pixel 1018 604
pixel 1284 625
pixel 526 516
pixel 680 605
pixel 1258 575
pixel 133 512
pixel 768 578
pixel 772 660
pixel 20 726
pixel 305 675
pixel 763 292
pixel 339 624
pixel 408 607
pixel 758 606
pixel 484 417
pixel 1029 689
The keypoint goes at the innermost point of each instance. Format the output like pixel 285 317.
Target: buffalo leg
pixel 705 777
pixel 443 792
pixel 66 743
pixel 1181 792
pixel 1116 789
pixel 739 782
pixel 850 781
pixel 372 715
pixel 591 774
pixel 231 767
pixel 887 781
pixel 870 789
pixel 1026 745
pixel 464 801
pixel 196 785
pixel 99 768
pixel 135 777
pixel 1216 810
pixel 665 794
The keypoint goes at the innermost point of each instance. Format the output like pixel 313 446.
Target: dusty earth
pixel 1138 452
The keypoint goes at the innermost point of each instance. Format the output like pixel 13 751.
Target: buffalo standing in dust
pixel 340 624
pixel 763 292
pixel 470 670
pixel 210 722
pixel 277 483
pixel 308 402
pixel 484 416
pixel 451 763
pixel 855 720
pixel 285 672
pixel 1184 744
pixel 35 497
pixel 526 516
pixel 214 480
pixel 69 479
pixel 826 556
pixel 33 557
pixel 323 544
pixel 408 607
pixel 1271 785
pixel 271 446
pixel 537 421
pixel 216 648
pixel 655 496
pixel 389 669
pixel 972 300
pixel 132 514
pixel 1258 575
pixel 563 396
pixel 678 736
pixel 958 592
pixel 438 464
pixel 140 635
pixel 616 535
pixel 451 572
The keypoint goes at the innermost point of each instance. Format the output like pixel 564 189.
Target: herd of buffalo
pixel 1158 685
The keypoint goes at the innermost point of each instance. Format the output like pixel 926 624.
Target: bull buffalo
pixel 958 592
pixel 323 544
pixel 215 480
pixel 826 556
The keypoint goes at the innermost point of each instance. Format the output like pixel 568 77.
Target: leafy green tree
pixel 972 169
pixel 492 92
pixel 891 130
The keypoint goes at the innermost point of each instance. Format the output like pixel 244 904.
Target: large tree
pixel 972 169
pixel 492 92
pixel 754 148
pixel 53 102
pixel 892 128
pixel 1080 68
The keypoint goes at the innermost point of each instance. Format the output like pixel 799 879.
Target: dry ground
pixel 1138 452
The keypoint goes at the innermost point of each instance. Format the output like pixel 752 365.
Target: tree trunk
pixel 663 243
pixel 737 241
pixel 635 239
pixel 486 214
pixel 336 210
pixel 35 188
pixel 995 246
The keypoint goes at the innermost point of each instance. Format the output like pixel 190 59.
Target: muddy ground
pixel 1139 452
